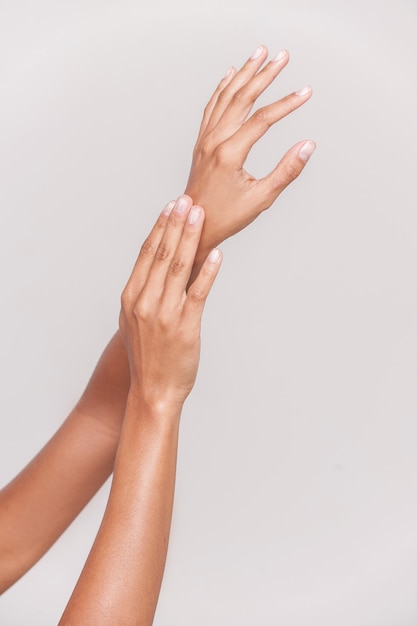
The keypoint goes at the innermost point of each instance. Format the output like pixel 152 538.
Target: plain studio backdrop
pixel 296 500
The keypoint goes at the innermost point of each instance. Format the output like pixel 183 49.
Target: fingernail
pixel 214 256
pixel 304 91
pixel 257 53
pixel 306 151
pixel 194 215
pixel 281 55
pixel 168 208
pixel 181 205
pixel 228 73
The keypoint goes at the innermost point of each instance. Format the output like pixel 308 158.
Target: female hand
pixel 159 321
pixel 232 198
pixel 160 326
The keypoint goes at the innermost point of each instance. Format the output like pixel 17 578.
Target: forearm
pixel 121 579
pixel 104 397
pixel 160 324
pixel 39 504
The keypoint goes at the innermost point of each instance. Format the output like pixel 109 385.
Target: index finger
pixel 140 271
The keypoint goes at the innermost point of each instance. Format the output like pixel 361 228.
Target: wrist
pixel 161 409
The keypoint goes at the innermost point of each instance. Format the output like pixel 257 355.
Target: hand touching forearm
pixel 160 324
pixel 231 197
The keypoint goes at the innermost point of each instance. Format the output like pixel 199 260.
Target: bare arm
pixel 39 504
pixel 58 483
pixel 161 325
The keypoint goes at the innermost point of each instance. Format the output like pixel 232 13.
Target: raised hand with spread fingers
pixel 232 198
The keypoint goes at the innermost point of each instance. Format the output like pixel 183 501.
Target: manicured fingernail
pixel 229 72
pixel 168 208
pixel 214 256
pixel 304 91
pixel 257 53
pixel 194 215
pixel 181 205
pixel 281 55
pixel 306 151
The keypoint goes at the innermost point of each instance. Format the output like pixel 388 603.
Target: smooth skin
pixel 160 325
pixel 233 198
pixel 37 506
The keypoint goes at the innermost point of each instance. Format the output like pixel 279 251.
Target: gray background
pixel 296 498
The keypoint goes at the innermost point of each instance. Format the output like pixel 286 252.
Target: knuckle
pixel 177 266
pixel 206 146
pixel 147 248
pixel 196 296
pixel 197 150
pixel 261 117
pixel 223 96
pixel 204 149
pixel 126 298
pixel 240 95
pixel 162 253
pixel 222 153
pixel 122 323
pixel 141 310
pixel 207 109
pixel 164 320
pixel 291 171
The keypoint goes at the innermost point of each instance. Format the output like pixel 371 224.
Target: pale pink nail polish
pixel 194 215
pixel 306 151
pixel 168 208
pixel 257 53
pixel 214 256
pixel 181 205
pixel 229 72
pixel 279 57
pixel 304 91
